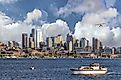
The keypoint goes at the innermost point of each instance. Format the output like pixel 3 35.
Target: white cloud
pixel 81 6
pixel 95 12
pixel 33 16
pixel 4 20
pixel 88 28
pixel 97 18
pixel 13 31
pixel 10 30
pixel 7 1
pixel 53 29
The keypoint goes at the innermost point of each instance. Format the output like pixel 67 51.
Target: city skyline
pixel 94 18
pixel 70 44
pixel 57 39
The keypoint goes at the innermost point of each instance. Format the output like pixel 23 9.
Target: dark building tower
pixel 93 44
pixel 24 40
pixel 96 45
pixel 69 40
pixel 50 42
pixel 33 35
pixel 76 44
pixel 83 43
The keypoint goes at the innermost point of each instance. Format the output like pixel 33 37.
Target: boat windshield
pixel 94 64
pixel 87 68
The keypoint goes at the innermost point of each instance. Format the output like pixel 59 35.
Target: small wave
pixel 113 73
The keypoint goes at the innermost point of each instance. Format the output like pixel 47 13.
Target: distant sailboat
pixel 32 68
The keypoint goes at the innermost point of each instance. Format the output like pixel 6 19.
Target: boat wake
pixel 113 73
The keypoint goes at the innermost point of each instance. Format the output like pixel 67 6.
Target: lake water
pixel 55 69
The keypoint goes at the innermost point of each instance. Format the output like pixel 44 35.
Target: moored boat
pixel 92 69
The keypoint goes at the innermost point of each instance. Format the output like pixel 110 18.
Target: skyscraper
pixel 76 43
pixel 96 45
pixel 83 43
pixel 38 37
pixel 31 43
pixel 24 40
pixel 58 40
pixel 49 42
pixel 33 35
pixel 69 40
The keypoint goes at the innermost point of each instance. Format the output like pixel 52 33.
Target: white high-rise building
pixel 39 37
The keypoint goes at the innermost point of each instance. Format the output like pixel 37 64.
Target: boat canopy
pixel 95 64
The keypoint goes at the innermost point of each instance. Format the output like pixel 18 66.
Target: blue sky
pixel 18 9
pixel 61 17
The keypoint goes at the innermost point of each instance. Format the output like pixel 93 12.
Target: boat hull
pixel 89 72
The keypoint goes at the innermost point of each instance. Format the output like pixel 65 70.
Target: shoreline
pixel 58 57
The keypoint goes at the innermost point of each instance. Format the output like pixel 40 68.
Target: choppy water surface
pixel 55 69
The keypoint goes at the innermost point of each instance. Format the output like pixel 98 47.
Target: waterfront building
pixel 2 45
pixel 76 43
pixel 107 50
pixel 93 44
pixel 83 43
pixel 42 45
pixel 113 50
pixel 65 46
pixel 24 40
pixel 79 50
pixel 58 41
pixel 10 44
pixel 70 45
pixel 49 42
pixel 53 41
pixel 31 43
pixel 33 35
pixel 96 45
pixel 69 41
pixel 88 47
pixel 118 50
pixel 13 44
pixel 75 40
pixel 38 37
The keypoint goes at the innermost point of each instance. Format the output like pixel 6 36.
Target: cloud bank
pixel 55 28
pixel 33 16
pixel 95 12
pixel 81 6
pixel 11 30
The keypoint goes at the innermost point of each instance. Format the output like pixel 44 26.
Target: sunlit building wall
pixel 38 37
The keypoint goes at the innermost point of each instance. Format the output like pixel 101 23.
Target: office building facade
pixel 24 40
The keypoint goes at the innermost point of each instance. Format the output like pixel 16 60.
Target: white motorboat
pixel 92 69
